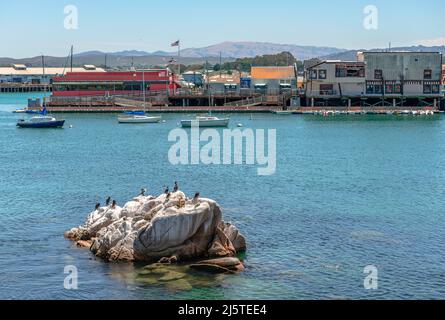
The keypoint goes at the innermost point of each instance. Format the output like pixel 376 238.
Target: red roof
pixel 160 75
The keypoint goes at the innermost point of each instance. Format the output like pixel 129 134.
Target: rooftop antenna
pixel 390 46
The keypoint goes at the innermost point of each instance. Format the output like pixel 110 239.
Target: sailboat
pixel 41 121
pixel 206 121
pixel 138 116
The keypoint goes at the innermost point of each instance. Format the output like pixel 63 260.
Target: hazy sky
pixel 33 27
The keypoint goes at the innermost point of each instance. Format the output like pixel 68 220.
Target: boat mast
pixel 43 78
pixel 143 84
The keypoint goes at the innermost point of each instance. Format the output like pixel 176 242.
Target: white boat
pixel 206 122
pixel 138 119
pixel 282 112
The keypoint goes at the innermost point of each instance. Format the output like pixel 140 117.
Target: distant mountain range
pixel 229 51
pixel 114 60
pixel 252 49
pixel 351 55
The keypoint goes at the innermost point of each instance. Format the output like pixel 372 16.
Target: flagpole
pixel 179 57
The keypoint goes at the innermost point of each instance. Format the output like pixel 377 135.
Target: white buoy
pixel 71 126
pixel 240 125
pixel 163 121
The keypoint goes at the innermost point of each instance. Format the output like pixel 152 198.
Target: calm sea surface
pixel 349 191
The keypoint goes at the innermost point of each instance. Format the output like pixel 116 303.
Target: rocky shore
pixel 169 228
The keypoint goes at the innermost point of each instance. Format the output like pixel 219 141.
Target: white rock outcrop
pixel 166 227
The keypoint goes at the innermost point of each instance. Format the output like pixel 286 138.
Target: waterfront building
pixel 273 80
pixel 376 79
pixel 22 74
pixel 194 77
pixel 407 74
pixel 443 74
pixel 224 83
pixel 114 83
pixel 335 79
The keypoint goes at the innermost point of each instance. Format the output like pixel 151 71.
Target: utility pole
pixel 72 50
pixel 208 83
pixel 143 83
pixel 43 67
pixel 105 61
pixel 220 64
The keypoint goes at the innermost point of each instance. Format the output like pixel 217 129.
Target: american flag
pixel 176 43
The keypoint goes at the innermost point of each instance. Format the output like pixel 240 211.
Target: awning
pixel 94 83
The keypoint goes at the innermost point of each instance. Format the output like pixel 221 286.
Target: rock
pixel 180 285
pixel 222 265
pixel 211 268
pixel 172 275
pixel 84 244
pixel 170 260
pixel 150 229
pixel 223 262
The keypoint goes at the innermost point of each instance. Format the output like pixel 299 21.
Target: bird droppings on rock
pixel 168 228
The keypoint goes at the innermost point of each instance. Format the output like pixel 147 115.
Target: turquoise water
pixel 349 191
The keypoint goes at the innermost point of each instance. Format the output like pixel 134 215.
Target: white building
pixel 408 74
pixel 335 79
pixel 19 73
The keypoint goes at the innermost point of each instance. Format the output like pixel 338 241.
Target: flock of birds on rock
pixel 142 193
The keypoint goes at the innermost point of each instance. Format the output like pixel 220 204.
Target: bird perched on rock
pixel 143 191
pixel 176 188
pixel 167 190
pixel 107 202
pixel 195 200
pixel 113 206
pixel 97 206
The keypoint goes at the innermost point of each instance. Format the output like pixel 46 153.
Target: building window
pixel 435 89
pixel 378 74
pixel 313 74
pixel 427 74
pixel 326 89
pixel 349 71
pixel 389 88
pixel 427 89
pixel 398 88
pixel 322 74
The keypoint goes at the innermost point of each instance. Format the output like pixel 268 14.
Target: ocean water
pixel 348 192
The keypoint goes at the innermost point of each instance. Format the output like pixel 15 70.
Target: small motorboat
pixel 283 112
pixel 26 110
pixel 41 122
pixel 136 118
pixel 206 122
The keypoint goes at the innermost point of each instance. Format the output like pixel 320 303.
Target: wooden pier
pixel 169 109
pixel 24 88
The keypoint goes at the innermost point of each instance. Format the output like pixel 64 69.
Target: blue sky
pixel 35 27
